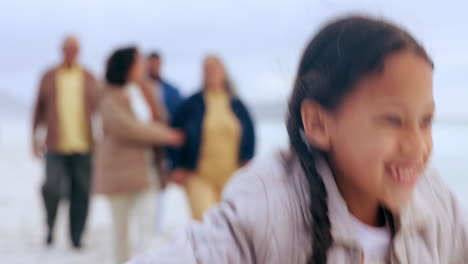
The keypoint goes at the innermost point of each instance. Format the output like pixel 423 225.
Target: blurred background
pixel 259 41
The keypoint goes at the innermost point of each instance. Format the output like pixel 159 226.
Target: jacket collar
pixel 415 216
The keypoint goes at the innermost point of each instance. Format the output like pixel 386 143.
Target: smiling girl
pixel 355 185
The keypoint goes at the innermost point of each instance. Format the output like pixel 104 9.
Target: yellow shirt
pixel 221 135
pixel 72 126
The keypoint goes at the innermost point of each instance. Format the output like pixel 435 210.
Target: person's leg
pixel 143 225
pixel 202 195
pixel 55 172
pixel 80 182
pixel 120 205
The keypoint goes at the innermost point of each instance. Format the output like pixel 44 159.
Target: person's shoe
pixel 76 245
pixel 49 239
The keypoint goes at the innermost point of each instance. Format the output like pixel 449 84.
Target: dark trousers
pixel 73 172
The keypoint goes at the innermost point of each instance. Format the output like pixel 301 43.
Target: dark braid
pixel 318 207
pixel 337 57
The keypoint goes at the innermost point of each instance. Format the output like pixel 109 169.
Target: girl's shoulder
pixel 432 191
pixel 433 204
pixel 252 224
pixel 272 183
pixel 272 171
pixel 439 219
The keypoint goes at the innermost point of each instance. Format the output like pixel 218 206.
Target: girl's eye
pixel 427 121
pixel 393 120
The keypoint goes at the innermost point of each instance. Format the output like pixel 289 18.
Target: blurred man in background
pixel 64 107
pixel 166 92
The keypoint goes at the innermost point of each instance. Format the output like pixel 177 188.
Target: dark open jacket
pixel 189 118
pixel 171 96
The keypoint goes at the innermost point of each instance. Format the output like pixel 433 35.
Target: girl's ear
pixel 315 122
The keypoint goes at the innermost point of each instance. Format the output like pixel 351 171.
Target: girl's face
pixel 380 138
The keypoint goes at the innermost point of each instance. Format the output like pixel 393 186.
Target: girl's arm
pixel 228 233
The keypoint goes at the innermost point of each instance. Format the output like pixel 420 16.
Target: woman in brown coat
pixel 132 126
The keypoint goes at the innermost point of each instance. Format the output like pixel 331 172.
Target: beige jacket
pixel 264 218
pixel 45 109
pixel 124 159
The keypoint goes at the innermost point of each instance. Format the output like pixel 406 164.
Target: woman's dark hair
pixel 119 65
pixel 154 55
pixel 340 55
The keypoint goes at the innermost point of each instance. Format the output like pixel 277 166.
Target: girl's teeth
pixel 403 174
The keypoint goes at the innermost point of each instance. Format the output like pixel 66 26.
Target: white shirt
pixel 138 103
pixel 142 111
pixel 375 241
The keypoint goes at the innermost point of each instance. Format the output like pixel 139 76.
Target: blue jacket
pixel 171 96
pixel 189 118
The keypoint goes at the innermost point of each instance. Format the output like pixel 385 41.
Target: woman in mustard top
pixel 220 138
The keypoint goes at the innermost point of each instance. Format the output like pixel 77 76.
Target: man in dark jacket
pixel 167 93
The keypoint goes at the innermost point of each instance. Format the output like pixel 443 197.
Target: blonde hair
pixel 228 85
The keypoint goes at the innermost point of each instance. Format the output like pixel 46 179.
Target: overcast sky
pixel 259 40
